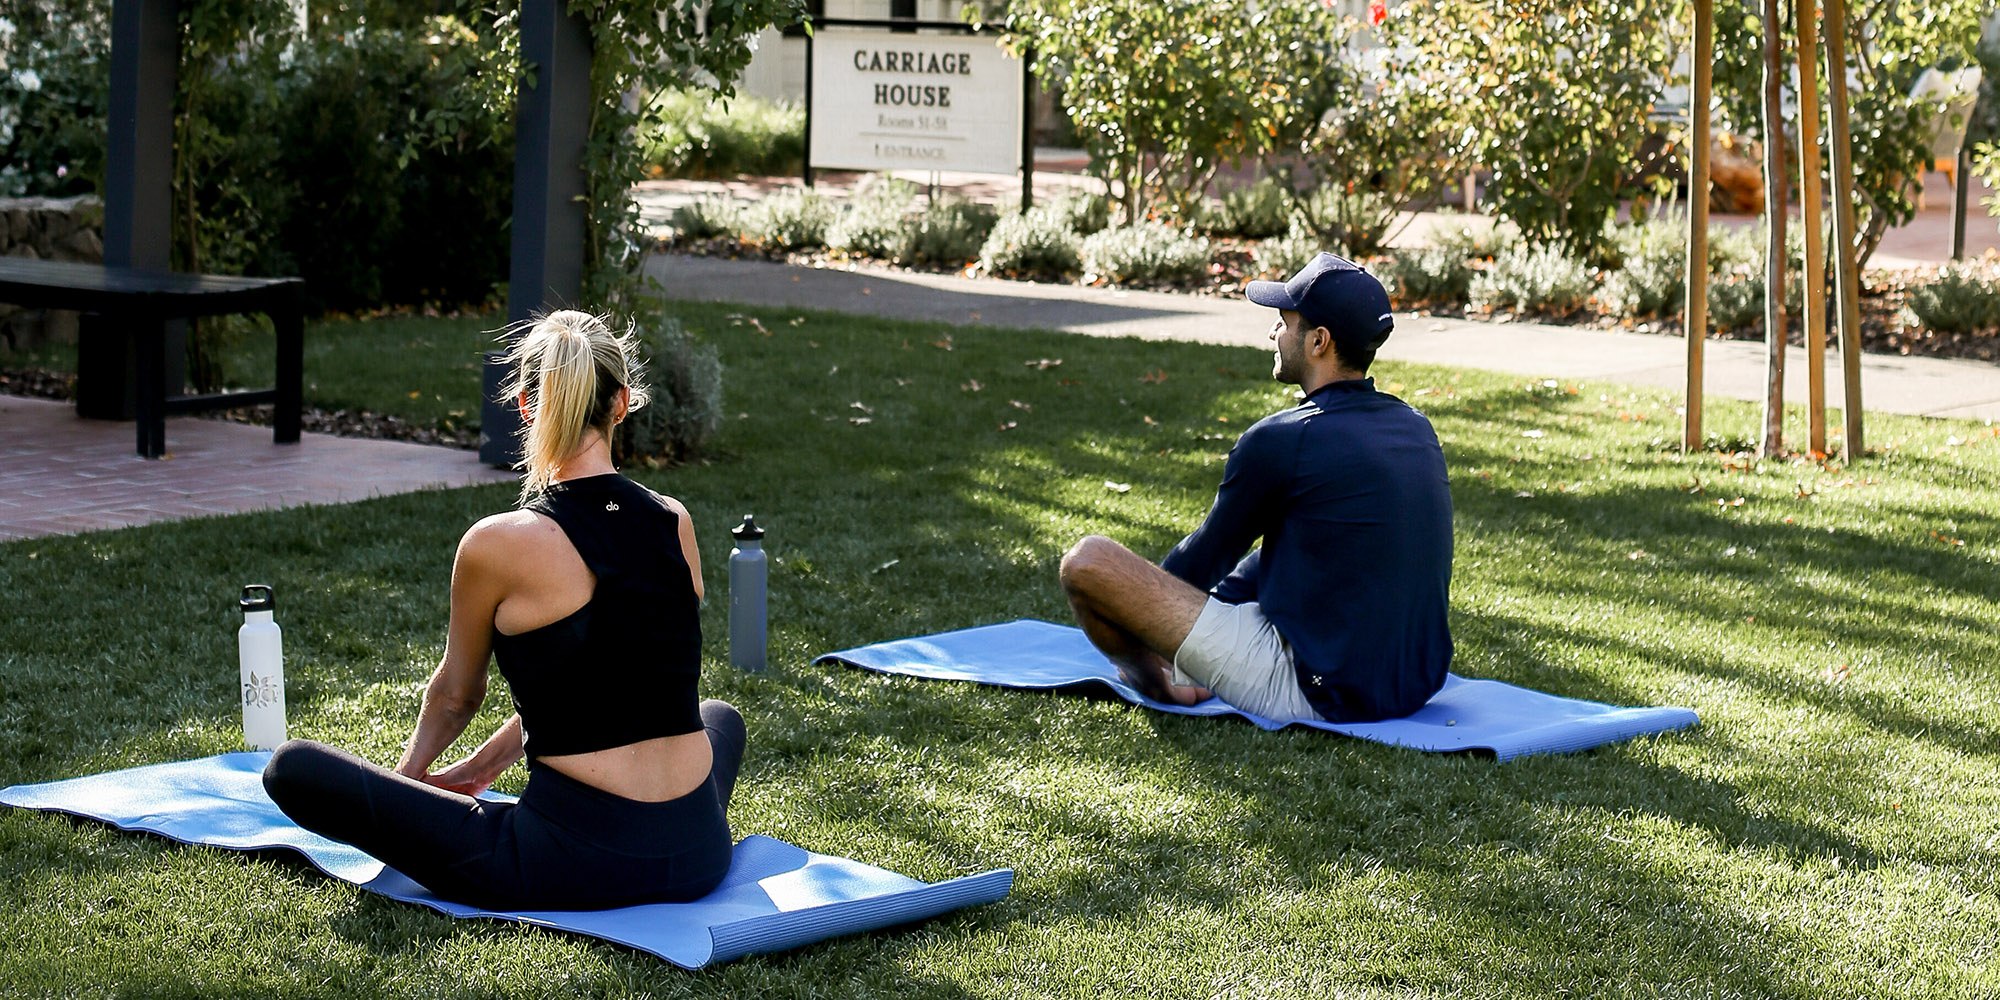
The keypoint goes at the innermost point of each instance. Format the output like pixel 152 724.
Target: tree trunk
pixel 1774 244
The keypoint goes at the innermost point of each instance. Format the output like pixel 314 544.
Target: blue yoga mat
pixel 776 896
pixel 1466 715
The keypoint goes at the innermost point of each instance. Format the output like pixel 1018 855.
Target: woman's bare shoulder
pixel 509 536
pixel 669 503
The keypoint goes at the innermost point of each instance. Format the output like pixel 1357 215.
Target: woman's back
pixel 598 633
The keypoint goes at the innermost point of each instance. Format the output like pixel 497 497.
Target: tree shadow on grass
pixel 1911 589
pixel 1127 813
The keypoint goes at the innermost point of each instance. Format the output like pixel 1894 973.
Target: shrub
pixel 1347 119
pixel 1415 277
pixel 1039 242
pixel 1147 252
pixel 1736 282
pixel 1958 300
pixel 877 221
pixel 1476 242
pixel 1736 301
pixel 686 406
pixel 345 157
pixel 709 215
pixel 55 90
pixel 1543 279
pixel 1732 247
pixel 1890 124
pixel 1078 211
pixel 363 222
pixel 1260 211
pixel 1164 91
pixel 791 219
pixel 951 231
pixel 1496 75
pixel 1282 256
pixel 1647 286
pixel 1651 267
pixel 700 136
pixel 1353 223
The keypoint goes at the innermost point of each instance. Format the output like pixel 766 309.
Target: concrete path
pixel 1735 369
pixel 60 474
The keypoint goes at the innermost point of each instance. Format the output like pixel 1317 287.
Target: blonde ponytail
pixel 569 367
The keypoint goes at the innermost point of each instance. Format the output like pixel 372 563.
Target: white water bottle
pixel 261 667
pixel 747 570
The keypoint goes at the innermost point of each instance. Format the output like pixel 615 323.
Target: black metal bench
pixel 143 301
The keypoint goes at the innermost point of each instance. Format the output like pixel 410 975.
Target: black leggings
pixel 565 846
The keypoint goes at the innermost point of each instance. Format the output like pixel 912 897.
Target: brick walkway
pixel 60 474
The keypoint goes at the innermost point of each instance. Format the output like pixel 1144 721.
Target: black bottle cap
pixel 258 597
pixel 748 530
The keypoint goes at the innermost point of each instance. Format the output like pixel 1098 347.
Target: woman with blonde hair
pixel 588 597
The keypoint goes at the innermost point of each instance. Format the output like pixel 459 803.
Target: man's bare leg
pixel 1134 612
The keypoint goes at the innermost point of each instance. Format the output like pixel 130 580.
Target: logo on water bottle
pixel 260 692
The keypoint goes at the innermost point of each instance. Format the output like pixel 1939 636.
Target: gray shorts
pixel 1237 653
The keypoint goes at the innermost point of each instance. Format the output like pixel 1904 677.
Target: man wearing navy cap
pixel 1340 613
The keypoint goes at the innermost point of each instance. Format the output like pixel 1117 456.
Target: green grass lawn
pixel 1832 829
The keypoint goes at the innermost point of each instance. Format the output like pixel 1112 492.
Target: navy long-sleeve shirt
pixel 1348 492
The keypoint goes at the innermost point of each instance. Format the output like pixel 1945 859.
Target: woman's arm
pixel 477 773
pixel 458 685
pixel 689 550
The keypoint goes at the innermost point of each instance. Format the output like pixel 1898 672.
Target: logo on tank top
pixel 610 505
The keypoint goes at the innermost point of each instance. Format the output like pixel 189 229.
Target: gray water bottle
pixel 747 572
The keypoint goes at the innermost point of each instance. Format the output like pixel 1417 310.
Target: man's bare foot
pixel 1157 683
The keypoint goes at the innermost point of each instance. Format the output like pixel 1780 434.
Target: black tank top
pixel 623 667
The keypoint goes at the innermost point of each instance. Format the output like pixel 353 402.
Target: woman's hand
pixel 464 777
pixel 476 773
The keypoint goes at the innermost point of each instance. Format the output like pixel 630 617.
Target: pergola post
pixel 551 211
pixel 1846 281
pixel 138 197
pixel 1696 312
pixel 1805 14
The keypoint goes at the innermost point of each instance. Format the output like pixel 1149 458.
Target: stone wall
pixel 47 229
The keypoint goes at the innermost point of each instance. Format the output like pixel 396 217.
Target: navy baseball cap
pixel 1335 293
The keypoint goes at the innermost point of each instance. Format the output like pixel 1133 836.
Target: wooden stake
pixel 1846 282
pixel 1805 15
pixel 1696 312
pixel 1774 228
